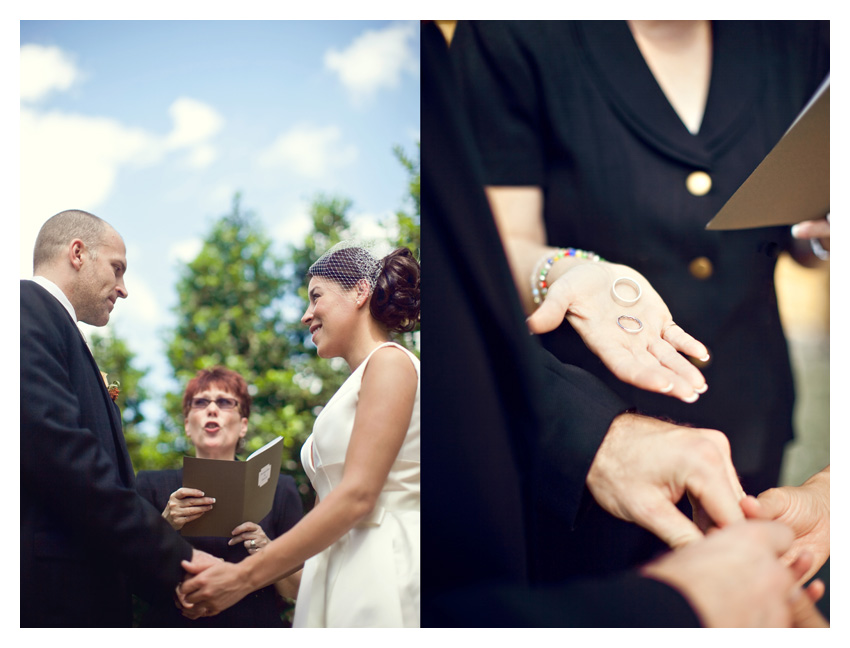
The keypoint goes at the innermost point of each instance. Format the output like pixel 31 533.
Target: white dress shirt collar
pixel 56 291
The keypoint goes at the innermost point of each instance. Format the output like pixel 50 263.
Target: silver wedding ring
pixel 624 301
pixel 629 329
pixel 254 543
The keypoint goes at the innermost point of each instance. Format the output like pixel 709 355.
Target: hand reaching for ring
pixel 252 535
pixel 638 341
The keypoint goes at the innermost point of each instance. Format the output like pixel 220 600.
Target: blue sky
pixel 154 125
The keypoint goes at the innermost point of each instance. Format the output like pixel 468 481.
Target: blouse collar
pixel 629 86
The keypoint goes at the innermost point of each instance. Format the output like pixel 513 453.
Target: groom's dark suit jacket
pixel 87 538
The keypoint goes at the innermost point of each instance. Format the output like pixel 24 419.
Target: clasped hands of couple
pixel 187 504
pixel 644 466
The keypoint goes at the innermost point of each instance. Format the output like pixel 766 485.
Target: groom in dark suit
pixel 87 539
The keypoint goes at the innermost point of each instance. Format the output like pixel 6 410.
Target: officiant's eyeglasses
pixel 223 403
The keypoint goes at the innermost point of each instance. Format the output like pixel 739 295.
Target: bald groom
pixel 87 539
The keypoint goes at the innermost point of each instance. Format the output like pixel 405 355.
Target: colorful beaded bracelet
pixel 539 286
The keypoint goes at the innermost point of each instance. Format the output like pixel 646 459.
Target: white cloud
pixel 295 225
pixel 185 251
pixel 194 123
pixel 310 151
pixel 201 156
pixel 71 161
pixel 370 227
pixel 374 60
pixel 45 69
pixel 69 148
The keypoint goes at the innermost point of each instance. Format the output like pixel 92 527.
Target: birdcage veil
pixel 351 261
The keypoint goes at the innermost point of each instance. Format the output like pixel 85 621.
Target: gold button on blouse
pixel 701 268
pixel 698 183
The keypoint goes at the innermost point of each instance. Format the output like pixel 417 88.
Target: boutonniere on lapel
pixel 114 387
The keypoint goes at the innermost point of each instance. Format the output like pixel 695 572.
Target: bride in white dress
pixel 360 543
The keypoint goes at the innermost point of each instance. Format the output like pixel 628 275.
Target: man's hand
pixel 803 508
pixel 212 589
pixel 201 560
pixel 734 579
pixel 644 466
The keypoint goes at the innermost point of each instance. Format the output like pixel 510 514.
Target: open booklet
pixel 792 183
pixel 243 490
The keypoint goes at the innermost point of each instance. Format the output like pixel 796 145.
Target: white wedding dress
pixel 370 576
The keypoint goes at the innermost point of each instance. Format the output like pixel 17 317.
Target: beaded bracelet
pixel 539 286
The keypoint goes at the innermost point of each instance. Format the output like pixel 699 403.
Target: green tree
pixel 239 305
pixel 231 301
pixel 115 358
pixel 331 224
pixel 408 221
pixel 408 225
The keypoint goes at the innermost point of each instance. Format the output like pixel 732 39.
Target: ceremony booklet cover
pixel 792 183
pixel 243 490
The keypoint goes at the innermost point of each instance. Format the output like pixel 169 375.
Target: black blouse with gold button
pixel 698 183
pixel 573 108
pixel 701 268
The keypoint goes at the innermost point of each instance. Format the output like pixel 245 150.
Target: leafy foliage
pixel 239 306
pixel 229 313
pixel 114 357
pixel 408 223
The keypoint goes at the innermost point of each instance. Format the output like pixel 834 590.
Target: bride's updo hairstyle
pixel 395 299
pixel 393 281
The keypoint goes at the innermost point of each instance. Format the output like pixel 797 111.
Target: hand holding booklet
pixel 791 184
pixel 243 490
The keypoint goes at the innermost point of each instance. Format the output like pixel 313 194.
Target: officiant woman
pixel 620 140
pixel 216 407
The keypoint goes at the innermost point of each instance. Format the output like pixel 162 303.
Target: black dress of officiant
pixel 572 107
pixel 216 424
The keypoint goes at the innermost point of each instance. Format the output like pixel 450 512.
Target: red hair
pixel 226 380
